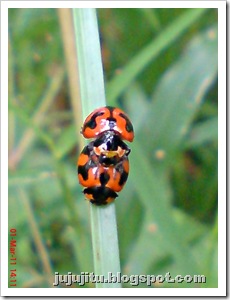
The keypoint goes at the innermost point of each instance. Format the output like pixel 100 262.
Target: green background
pixel 167 212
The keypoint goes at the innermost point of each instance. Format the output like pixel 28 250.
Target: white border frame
pixel 221 290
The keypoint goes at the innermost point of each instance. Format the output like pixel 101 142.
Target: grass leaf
pixel 103 219
pixel 134 67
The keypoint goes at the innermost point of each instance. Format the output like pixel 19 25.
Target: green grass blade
pixel 37 237
pixel 34 123
pixel 103 220
pixel 117 85
pixel 151 17
pixel 179 94
pixel 35 129
pixel 66 142
pixel 89 60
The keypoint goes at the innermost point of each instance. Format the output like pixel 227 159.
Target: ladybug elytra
pixel 108 119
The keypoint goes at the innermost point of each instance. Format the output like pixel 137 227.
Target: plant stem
pixel 29 135
pixel 103 219
pixel 66 23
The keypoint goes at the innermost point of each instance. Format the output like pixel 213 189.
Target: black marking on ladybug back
pixel 111 109
pixel 112 121
pixel 92 124
pixel 83 171
pixel 112 142
pixel 86 150
pixel 100 194
pixel 128 126
pixel 107 138
pixel 104 178
pixel 123 178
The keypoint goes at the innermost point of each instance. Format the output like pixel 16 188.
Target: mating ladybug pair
pixel 103 165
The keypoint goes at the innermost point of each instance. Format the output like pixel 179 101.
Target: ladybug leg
pixel 97 172
pixel 114 173
pixel 90 148
pixel 117 169
pixel 124 147
pixel 121 166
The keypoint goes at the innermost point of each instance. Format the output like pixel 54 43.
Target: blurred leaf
pixel 37 50
pixel 179 94
pixel 195 182
pixel 153 189
pixel 66 141
pixel 24 117
pixel 135 94
pixel 117 85
pixel 204 132
pixel 189 228
pixel 151 17
pixel 131 215
pixel 165 125
pixel 205 252
pixel 28 177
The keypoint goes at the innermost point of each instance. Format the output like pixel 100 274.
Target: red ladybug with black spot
pixel 108 118
pixel 102 181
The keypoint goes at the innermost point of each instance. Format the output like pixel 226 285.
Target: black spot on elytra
pixel 128 126
pixel 104 178
pixel 111 109
pixel 123 178
pixel 92 124
pixel 86 150
pixel 100 194
pixel 83 171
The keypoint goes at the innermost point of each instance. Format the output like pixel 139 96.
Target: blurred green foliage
pixel 167 212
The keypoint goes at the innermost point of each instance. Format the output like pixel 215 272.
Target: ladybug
pixel 101 180
pixel 110 119
pixel 103 165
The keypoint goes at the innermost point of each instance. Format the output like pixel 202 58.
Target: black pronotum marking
pixel 112 121
pixel 112 142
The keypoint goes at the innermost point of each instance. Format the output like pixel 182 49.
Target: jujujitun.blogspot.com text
pixel 134 280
